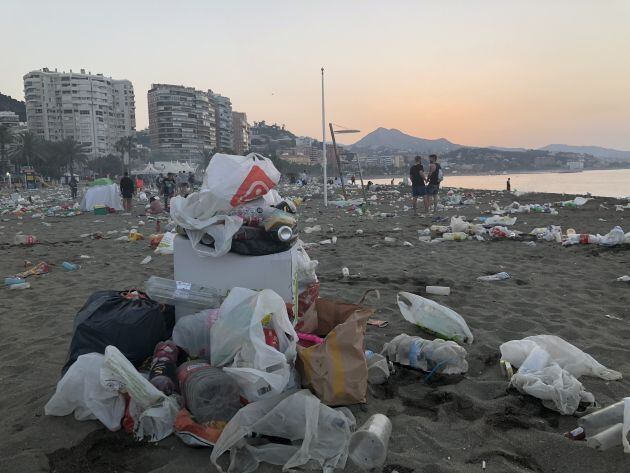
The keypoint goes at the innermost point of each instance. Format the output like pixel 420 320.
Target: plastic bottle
pixel 164 367
pixel 25 240
pixel 24 285
pixel 495 277
pixel 70 266
pixel 438 290
pixel 368 445
pixel 10 281
pixel 188 298
pixel 455 236
pixel 602 418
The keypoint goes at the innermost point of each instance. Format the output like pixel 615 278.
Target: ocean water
pixel 608 183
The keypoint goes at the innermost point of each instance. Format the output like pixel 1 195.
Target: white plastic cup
pixel 368 445
pixel 438 290
pixel 345 272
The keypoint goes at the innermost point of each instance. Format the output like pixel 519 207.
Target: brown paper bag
pixel 336 370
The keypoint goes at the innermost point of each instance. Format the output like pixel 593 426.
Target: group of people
pixel 425 185
pixel 168 186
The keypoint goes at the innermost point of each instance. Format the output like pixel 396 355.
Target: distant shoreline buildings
pixel 93 109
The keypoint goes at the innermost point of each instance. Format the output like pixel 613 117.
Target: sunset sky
pixel 477 72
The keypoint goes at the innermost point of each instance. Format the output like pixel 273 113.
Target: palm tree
pixel 71 153
pixel 6 138
pixel 28 149
pixel 126 144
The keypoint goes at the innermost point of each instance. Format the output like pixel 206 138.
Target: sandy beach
pixel 450 424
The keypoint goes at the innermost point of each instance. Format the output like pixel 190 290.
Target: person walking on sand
pixel 353 179
pixel 418 186
pixel 435 177
pixel 508 185
pixel 127 189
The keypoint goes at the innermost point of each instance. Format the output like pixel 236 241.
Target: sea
pixel 604 183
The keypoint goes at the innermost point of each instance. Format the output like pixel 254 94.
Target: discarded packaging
pixel 368 445
pixel 434 318
pixel 432 356
pixel 502 276
pixel 438 290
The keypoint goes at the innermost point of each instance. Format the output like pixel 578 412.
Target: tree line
pixel 54 158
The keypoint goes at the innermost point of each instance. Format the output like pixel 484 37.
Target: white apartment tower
pixel 93 109
pixel 223 112
pixel 181 121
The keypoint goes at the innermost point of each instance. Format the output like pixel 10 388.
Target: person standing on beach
pixel 508 186
pixel 127 189
pixel 168 189
pixel 418 187
pixel 74 187
pixel 435 177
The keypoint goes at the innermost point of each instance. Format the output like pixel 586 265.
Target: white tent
pixel 148 170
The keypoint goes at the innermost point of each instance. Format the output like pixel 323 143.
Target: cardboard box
pixel 275 272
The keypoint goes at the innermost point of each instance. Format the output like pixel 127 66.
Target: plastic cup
pixel 345 272
pixel 368 445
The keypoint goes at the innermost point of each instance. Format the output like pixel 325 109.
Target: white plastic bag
pixel 238 338
pixel 324 433
pixel 153 412
pixel 458 224
pixel 567 356
pixel 80 391
pixel 305 266
pixel 433 317
pixel 238 179
pixel 612 238
pixel 197 215
pixel 500 220
pixel 165 247
pixel 142 197
pixel 541 377
pixel 193 333
pixel 437 355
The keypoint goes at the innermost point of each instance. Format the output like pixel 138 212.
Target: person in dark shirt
pixel 435 177
pixel 418 185
pixel 168 189
pixel 74 187
pixel 508 185
pixel 127 189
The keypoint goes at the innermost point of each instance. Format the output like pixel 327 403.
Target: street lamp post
pixel 324 163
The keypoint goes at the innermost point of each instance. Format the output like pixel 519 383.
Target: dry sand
pixel 451 424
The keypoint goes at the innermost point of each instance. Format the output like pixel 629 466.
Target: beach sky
pixel 479 72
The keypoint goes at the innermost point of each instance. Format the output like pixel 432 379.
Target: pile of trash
pixel 46 203
pixel 237 209
pixel 516 208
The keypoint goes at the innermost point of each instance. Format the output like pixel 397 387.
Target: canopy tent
pixel 148 170
pixel 108 195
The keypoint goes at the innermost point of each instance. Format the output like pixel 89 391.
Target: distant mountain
pixel 503 148
pixel 9 104
pixel 395 140
pixel 596 151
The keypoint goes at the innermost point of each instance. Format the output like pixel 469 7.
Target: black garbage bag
pixel 132 322
pixel 256 241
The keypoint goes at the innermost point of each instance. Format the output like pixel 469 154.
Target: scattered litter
pixel 431 356
pixel 502 276
pixel 389 240
pixel 146 260
pixel 434 318
pixel 70 266
pixel 438 290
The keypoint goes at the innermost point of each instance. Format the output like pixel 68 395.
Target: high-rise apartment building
pixel 181 121
pixel 223 112
pixel 240 133
pixel 93 109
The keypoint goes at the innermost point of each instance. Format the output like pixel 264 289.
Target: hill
pixel 596 151
pixel 11 105
pixel 383 139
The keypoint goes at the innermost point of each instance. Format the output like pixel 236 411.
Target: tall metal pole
pixel 324 145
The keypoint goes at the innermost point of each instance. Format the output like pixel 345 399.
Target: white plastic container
pixel 345 272
pixel 368 445
pixel 455 236
pixel 438 290
pixel 602 419
pixel 611 437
